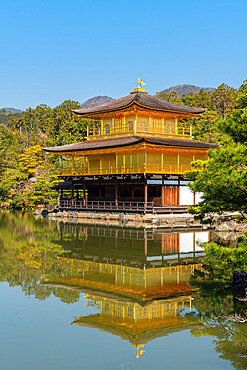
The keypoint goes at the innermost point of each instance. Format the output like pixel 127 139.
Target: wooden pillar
pixel 145 158
pixel 145 194
pixel 145 244
pixel 163 243
pixel 100 166
pixel 135 124
pixel 178 197
pixel 116 163
pixel 178 241
pixel 163 201
pixel 176 126
pixel 163 125
pixel 177 268
pixel 123 170
pixel 116 193
pixel 116 244
pixel 84 193
pixel 59 197
pixel 72 194
pixel 150 124
pixel 113 130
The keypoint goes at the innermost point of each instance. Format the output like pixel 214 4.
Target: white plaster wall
pixel 186 196
pixel 186 242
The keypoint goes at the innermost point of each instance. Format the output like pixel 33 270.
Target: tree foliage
pixel 22 162
pixel 235 125
pixel 21 141
pixel 172 96
pixel 222 179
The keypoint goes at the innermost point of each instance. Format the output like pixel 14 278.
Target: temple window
pixel 157 125
pixel 143 126
pixel 169 129
pixel 107 129
pixel 130 126
pixel 118 125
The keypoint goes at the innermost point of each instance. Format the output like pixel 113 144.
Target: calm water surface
pixel 76 296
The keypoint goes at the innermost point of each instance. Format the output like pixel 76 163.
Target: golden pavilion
pixel 133 159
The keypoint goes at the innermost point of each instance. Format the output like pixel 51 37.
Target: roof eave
pixel 134 102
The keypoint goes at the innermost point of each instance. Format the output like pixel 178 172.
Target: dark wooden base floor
pixel 123 207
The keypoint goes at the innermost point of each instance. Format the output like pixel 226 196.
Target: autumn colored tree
pixel 31 160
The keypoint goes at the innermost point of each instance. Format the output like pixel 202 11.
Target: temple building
pixel 134 159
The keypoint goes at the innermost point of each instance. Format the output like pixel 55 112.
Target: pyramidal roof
pixel 129 140
pixel 142 100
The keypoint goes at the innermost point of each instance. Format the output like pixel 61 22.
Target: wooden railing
pixel 139 128
pixel 106 206
pixel 124 169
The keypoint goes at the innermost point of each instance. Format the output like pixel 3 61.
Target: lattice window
pixel 130 126
pixel 170 129
pixel 143 126
pixel 157 125
pixel 107 129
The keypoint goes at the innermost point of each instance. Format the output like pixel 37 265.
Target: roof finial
pixel 140 82
pixel 139 88
pixel 139 351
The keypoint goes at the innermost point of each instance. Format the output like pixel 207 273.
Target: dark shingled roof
pixel 143 100
pixel 125 141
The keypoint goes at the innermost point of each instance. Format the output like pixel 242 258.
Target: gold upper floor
pixel 140 158
pixel 137 122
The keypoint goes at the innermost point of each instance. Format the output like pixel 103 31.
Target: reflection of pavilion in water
pixel 137 280
pixel 134 322
pixel 132 247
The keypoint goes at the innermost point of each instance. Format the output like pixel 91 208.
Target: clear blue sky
pixel 52 50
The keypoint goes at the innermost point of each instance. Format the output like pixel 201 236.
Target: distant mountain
pixel 97 100
pixel 12 110
pixel 186 89
pixel 180 89
pixel 6 113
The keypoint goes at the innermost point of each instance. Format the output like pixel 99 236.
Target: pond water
pixel 77 296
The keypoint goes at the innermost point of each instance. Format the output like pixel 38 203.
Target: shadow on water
pixel 143 284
